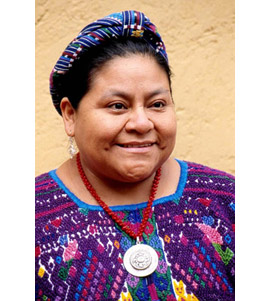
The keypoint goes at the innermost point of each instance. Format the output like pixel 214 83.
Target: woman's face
pixel 125 126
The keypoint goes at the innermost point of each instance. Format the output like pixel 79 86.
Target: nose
pixel 139 121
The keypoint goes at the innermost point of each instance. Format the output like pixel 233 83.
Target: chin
pixel 137 173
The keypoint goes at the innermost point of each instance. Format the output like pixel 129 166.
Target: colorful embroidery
pixel 79 251
pixel 125 297
pixel 181 292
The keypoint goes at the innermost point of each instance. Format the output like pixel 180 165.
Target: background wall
pixel 199 37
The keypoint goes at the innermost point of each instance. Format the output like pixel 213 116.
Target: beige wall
pixel 199 36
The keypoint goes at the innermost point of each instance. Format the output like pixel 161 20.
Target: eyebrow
pixel 124 94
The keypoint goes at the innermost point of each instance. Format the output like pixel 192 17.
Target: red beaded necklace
pixel 106 208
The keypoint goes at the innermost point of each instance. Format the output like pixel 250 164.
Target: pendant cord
pixel 115 218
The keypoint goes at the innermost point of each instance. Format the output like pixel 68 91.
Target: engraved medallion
pixel 141 260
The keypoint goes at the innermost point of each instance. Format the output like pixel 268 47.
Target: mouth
pixel 135 145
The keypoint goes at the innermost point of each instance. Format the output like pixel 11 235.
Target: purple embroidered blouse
pixel 79 250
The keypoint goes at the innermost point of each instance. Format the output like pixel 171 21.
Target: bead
pixel 113 216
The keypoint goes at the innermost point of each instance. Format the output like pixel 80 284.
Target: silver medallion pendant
pixel 141 260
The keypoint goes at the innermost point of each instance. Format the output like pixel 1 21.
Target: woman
pixel 122 220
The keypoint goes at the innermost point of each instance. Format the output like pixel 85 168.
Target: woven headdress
pixel 123 24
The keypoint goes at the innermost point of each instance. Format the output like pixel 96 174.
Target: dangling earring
pixel 71 148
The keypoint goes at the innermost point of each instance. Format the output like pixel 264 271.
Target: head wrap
pixel 123 24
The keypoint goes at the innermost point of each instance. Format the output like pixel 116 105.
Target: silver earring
pixel 71 148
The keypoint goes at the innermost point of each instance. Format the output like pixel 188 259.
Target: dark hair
pixel 78 81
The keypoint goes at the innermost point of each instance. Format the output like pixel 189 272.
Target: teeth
pixel 137 145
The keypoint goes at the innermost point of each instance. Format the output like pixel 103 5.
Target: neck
pixel 114 192
pixel 117 193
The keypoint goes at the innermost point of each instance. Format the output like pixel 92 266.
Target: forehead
pixel 132 70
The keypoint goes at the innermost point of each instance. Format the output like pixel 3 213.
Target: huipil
pixel 79 250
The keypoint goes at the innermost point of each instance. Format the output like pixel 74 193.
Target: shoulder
pixel 211 189
pixel 42 181
pixel 49 196
pixel 206 169
pixel 45 186
pixel 213 180
pixel 199 168
pixel 45 190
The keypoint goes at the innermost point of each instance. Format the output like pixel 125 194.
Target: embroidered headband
pixel 124 24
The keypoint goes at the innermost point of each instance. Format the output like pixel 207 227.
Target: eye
pixel 158 104
pixel 117 106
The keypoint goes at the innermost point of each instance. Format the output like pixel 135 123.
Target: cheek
pixel 168 127
pixel 97 126
pixel 101 133
pixel 110 129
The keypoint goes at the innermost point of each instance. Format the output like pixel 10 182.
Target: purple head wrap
pixel 123 24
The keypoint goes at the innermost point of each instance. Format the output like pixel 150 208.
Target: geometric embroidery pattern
pixel 79 250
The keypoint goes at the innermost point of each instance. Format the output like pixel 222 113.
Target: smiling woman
pixel 122 218
pixel 130 99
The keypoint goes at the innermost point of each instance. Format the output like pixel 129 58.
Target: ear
pixel 69 116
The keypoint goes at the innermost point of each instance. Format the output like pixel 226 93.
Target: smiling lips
pixel 136 145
